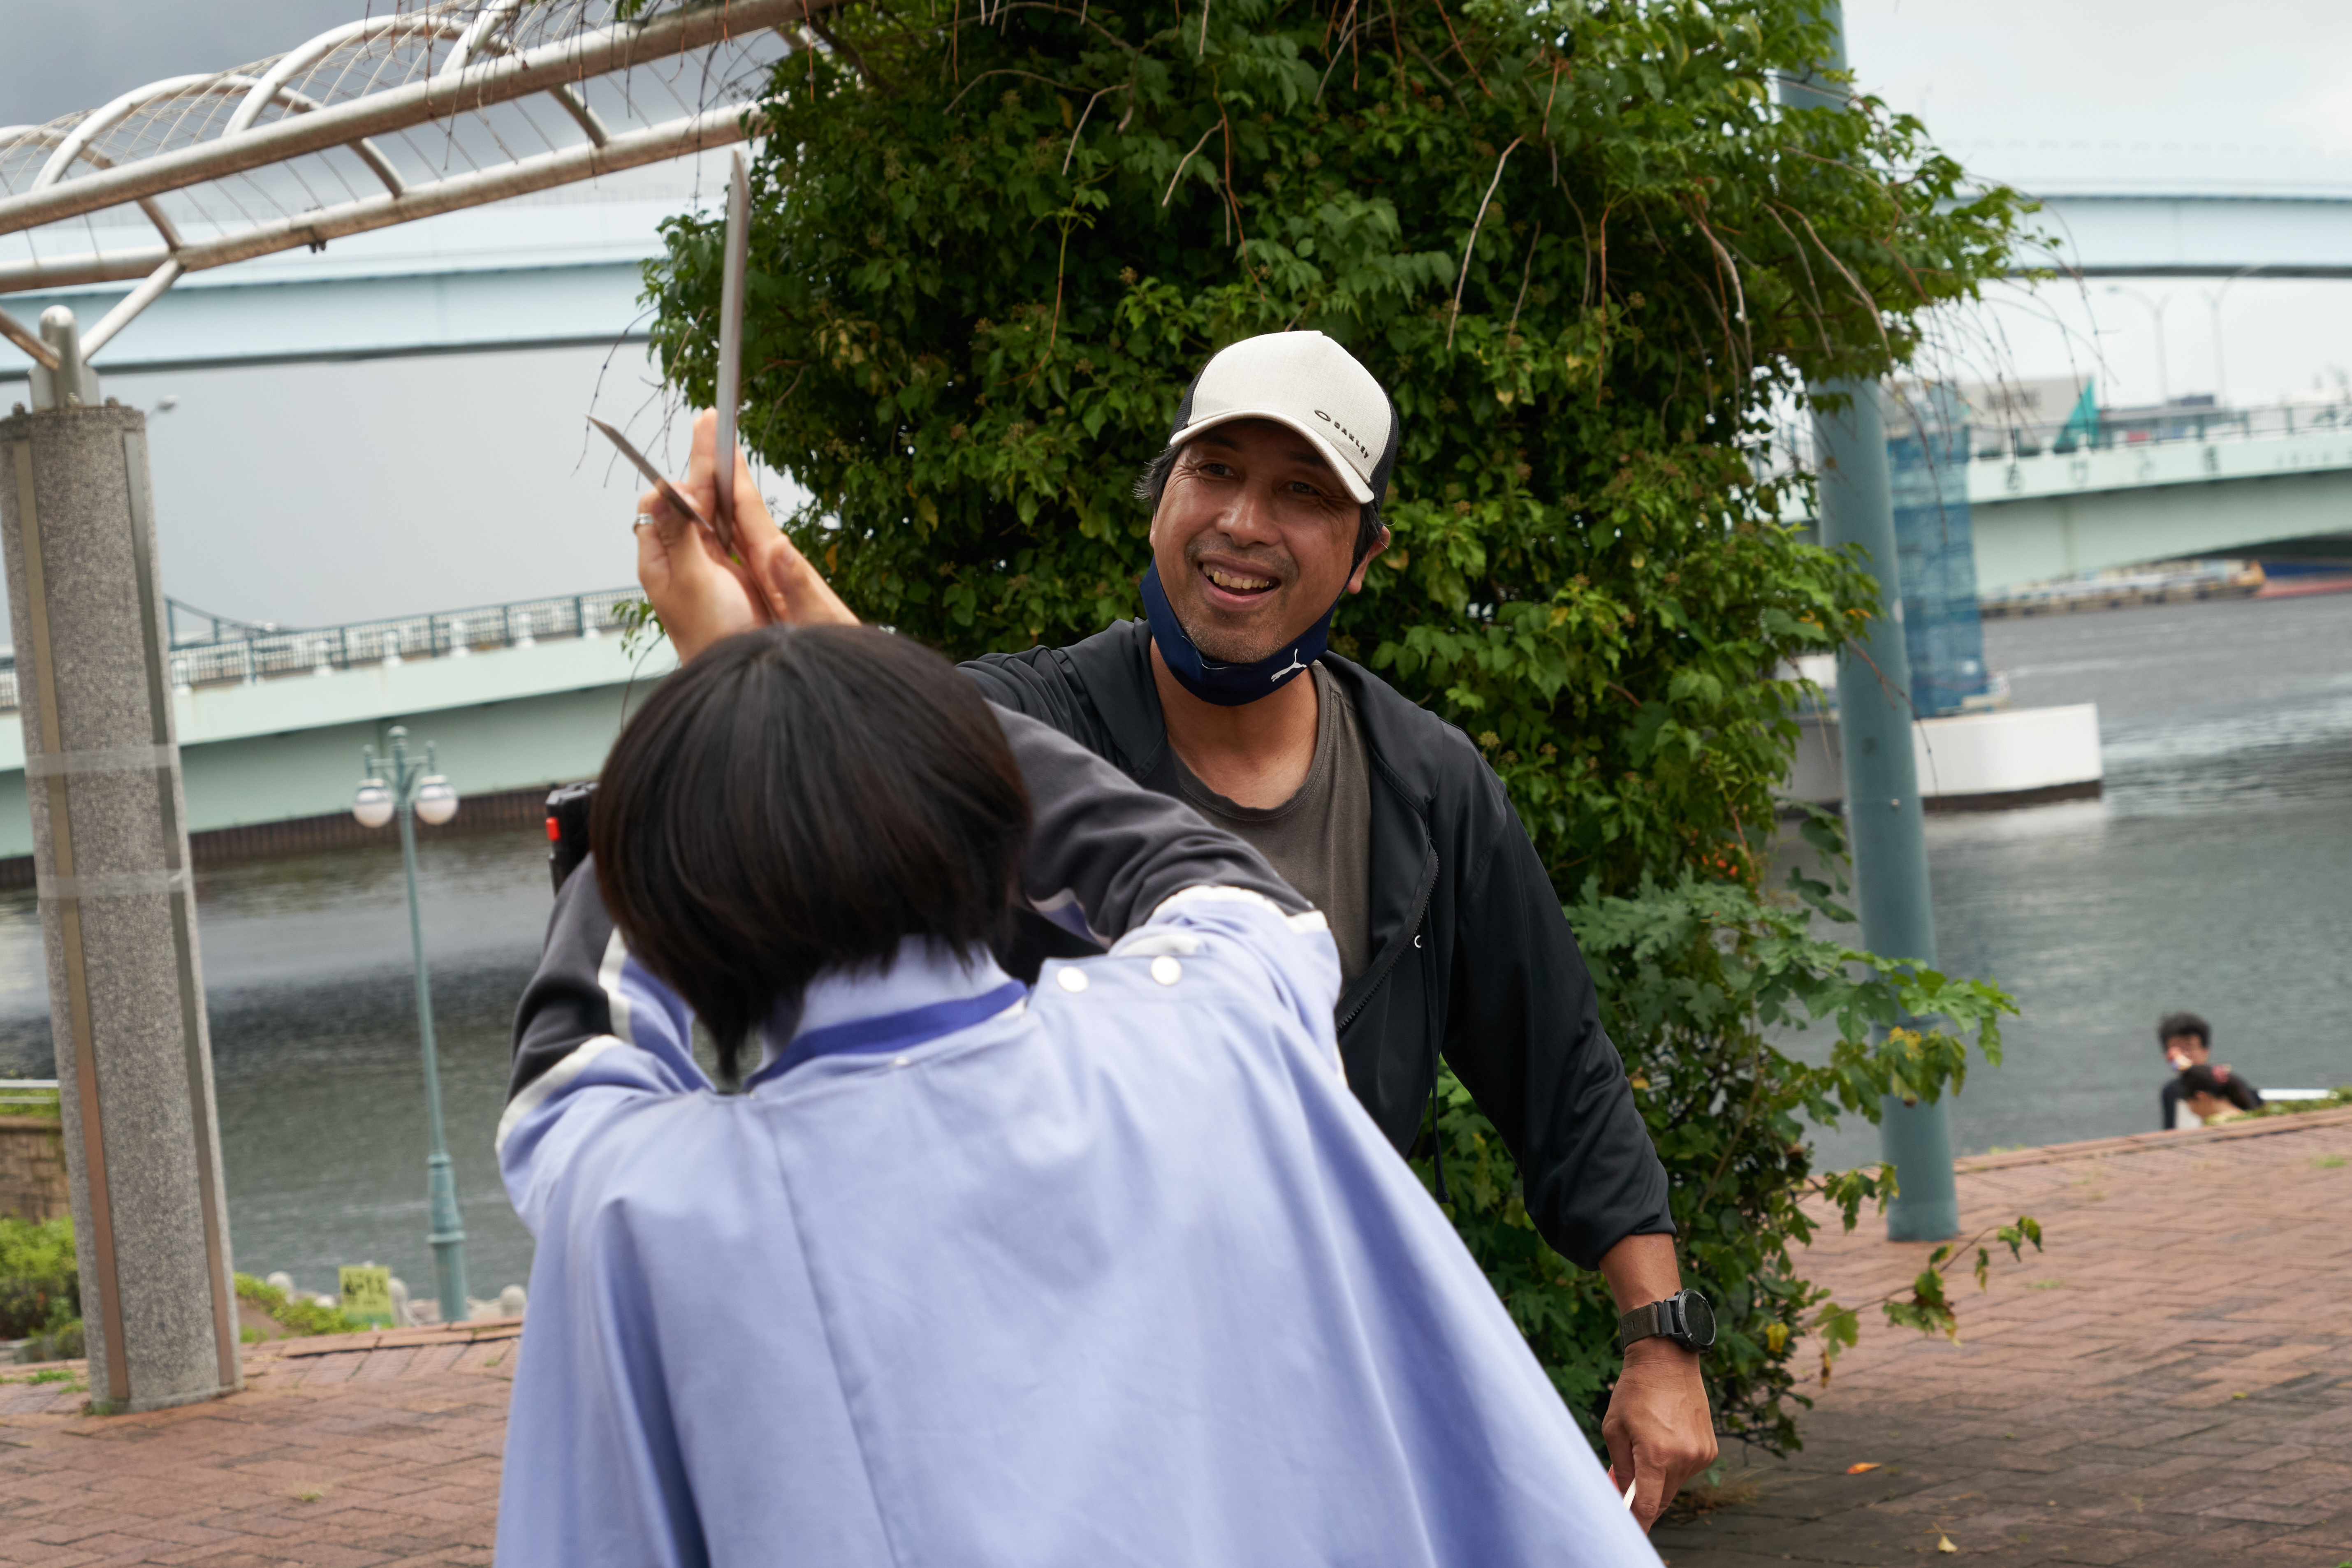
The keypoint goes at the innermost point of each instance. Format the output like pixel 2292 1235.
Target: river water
pixel 2215 874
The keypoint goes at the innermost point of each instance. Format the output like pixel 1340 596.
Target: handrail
pixel 249 655
pixel 2133 429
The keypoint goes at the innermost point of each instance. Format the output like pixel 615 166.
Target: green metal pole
pixel 448 1227
pixel 1883 818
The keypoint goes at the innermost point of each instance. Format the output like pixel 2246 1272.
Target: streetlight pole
pixel 2213 302
pixel 2156 309
pixel 411 791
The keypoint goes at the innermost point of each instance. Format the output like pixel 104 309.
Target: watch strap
pixel 1643 1322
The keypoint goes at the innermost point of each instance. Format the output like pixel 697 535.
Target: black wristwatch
pixel 1683 1317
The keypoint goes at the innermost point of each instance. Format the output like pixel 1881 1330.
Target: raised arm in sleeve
pixel 1104 853
pixel 1524 1035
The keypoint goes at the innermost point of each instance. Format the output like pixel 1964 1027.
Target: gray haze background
pixel 306 495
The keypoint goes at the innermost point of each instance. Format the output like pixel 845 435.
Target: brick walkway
pixel 345 1452
pixel 2170 1385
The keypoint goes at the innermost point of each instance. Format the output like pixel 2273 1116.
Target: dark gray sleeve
pixel 1036 681
pixel 1104 852
pixel 1524 1035
pixel 565 1001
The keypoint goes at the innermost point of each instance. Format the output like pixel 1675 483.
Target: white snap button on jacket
pixel 1072 980
pixel 1166 969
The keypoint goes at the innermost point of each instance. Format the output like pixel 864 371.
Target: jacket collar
pixel 924 974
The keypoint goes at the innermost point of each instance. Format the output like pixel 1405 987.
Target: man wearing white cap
pixel 1266 512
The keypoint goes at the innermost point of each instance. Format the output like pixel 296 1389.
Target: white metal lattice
pixel 424 109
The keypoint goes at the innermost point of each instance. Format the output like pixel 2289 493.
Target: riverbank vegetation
pixel 40 1286
pixel 1591 257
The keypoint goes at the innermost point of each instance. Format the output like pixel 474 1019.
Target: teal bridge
pixel 2273 483
pixel 271 721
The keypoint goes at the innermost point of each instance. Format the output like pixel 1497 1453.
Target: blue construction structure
pixel 1927 468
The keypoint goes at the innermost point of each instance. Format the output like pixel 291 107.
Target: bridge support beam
pixel 118 919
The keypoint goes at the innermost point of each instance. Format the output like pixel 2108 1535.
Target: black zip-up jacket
pixel 1470 952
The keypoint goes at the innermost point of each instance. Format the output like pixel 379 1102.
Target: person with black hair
pixel 2186 1041
pixel 1116 1269
pixel 1266 514
pixel 2211 1094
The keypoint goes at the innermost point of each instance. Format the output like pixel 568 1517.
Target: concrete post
pixel 1884 816
pixel 118 921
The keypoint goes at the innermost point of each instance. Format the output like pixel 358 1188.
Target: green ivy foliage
pixel 40 1284
pixel 1590 255
pixel 1699 980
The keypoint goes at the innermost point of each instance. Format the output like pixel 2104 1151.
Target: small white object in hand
pixel 1629 1492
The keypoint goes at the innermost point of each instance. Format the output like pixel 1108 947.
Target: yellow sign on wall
pixel 367 1294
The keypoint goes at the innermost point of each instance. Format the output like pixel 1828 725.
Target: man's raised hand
pixel 699 593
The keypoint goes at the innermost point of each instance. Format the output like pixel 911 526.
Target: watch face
pixel 1698 1322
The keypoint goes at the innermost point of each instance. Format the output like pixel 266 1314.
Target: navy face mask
pixel 1227 685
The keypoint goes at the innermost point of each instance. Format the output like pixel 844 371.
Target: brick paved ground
pixel 2170 1385
pixel 340 1453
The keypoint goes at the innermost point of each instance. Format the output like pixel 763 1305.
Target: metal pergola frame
pixel 103 159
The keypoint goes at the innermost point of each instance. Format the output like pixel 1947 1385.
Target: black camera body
pixel 567 829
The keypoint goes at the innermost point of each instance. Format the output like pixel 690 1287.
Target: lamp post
pixel 2213 297
pixel 414 790
pixel 2155 308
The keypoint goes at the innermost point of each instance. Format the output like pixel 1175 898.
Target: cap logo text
pixel 1343 430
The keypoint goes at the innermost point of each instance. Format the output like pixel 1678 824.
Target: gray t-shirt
pixel 1320 839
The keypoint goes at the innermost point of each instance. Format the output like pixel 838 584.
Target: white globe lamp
pixel 437 800
pixel 372 803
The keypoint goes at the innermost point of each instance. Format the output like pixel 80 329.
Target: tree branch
pixel 1459 283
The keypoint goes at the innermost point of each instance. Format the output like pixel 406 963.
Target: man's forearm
pixel 1659 1428
pixel 1642 1269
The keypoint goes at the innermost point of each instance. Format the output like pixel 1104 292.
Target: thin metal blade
pixel 730 333
pixel 669 492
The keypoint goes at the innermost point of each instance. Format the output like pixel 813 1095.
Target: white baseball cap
pixel 1306 383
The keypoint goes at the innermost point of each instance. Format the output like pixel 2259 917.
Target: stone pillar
pixel 117 920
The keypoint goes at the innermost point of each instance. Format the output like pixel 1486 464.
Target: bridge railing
pixel 2154 426
pixel 244 654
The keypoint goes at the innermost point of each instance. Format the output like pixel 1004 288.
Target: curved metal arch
pixel 475 36
pixel 478 39
pixel 105 116
pixel 166 137
pixel 75 144
pixel 302 57
pixel 51 137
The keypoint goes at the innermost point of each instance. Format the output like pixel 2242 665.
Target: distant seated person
pixel 2188 1042
pixel 1114 1271
pixel 2209 1095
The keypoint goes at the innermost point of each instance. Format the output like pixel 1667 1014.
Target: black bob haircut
pixel 2172 1025
pixel 798 801
pixel 2203 1078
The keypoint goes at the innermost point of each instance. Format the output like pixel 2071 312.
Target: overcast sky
pixel 306 495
